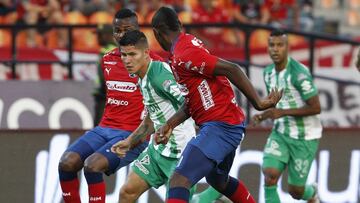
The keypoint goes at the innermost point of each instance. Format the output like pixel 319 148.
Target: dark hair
pixel 125 13
pixel 166 19
pixel 133 37
pixel 277 32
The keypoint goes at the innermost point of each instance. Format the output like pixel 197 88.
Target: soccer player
pixel 162 98
pixel 204 80
pixel 122 115
pixel 295 136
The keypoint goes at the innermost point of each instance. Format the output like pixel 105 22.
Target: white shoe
pixel 315 198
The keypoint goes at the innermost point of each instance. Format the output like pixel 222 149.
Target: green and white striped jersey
pixel 298 86
pixel 162 99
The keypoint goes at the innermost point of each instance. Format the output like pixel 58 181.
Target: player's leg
pixel 231 187
pixel 72 161
pixel 148 170
pixel 302 154
pixel 186 175
pixel 104 161
pixel 133 188
pixel 276 156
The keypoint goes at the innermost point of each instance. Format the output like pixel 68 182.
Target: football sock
pixel 96 187
pixel 237 192
pixel 69 183
pixel 178 195
pixel 271 194
pixel 309 192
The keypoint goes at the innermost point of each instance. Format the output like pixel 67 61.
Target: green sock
pixel 209 195
pixel 309 192
pixel 271 195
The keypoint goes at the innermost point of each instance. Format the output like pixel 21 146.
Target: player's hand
pixel 256 119
pixel 272 113
pixel 272 99
pixel 275 96
pixel 162 135
pixel 121 148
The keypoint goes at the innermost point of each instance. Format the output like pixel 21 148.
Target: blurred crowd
pixel 295 14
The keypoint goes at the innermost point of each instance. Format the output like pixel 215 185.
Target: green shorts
pixel 281 151
pixel 154 168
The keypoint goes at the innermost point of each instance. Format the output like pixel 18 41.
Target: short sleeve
pixel 199 60
pixel 304 83
pixel 165 85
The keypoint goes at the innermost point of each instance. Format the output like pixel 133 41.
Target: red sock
pixel 175 201
pixel 97 192
pixel 242 195
pixel 70 191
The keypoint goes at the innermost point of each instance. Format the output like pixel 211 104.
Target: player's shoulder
pixel 297 67
pixel 113 52
pixel 269 68
pixel 158 68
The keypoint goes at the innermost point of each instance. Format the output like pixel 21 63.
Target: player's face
pixel 121 26
pixel 278 48
pixel 135 59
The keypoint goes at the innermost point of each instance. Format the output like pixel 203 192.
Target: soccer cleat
pixel 315 198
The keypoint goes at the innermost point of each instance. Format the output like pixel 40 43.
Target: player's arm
pixel 144 129
pixel 240 80
pixel 312 107
pixel 163 133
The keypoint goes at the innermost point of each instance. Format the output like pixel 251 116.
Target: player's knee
pixel 95 163
pixel 271 176
pixel 178 180
pixel 70 162
pixel 296 192
pixel 127 195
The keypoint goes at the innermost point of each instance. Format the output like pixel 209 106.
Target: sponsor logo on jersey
pixel 108 70
pixel 117 102
pixel 110 62
pixel 121 86
pixel 205 94
pixel 306 86
pixel 153 108
pixel 183 89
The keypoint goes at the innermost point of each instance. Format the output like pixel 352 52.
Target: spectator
pixel 283 13
pixel 207 11
pixel 306 15
pixel 251 11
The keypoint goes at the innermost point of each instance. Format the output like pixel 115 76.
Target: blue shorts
pixel 218 139
pixel 100 140
pixel 214 147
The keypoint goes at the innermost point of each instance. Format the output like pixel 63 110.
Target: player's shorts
pixel 298 155
pixel 153 167
pixel 100 140
pixel 218 139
